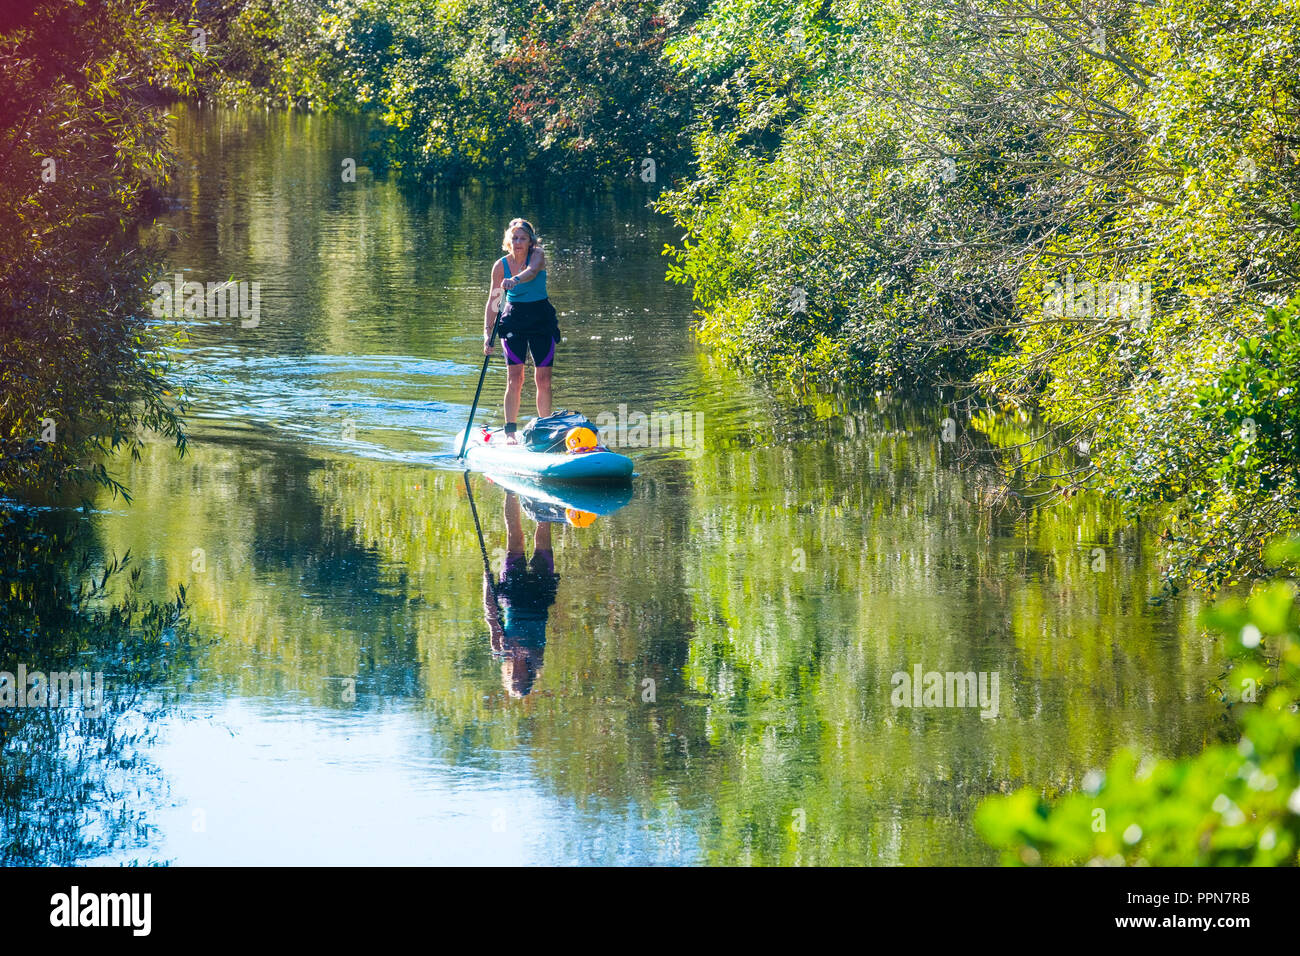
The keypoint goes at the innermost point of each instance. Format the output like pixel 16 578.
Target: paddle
pixel 481 375
pixel 487 565
pixel 494 621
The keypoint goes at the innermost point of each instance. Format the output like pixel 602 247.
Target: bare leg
pixel 514 525
pixel 514 389
pixel 542 377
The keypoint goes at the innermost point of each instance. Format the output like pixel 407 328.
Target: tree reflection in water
pixel 66 771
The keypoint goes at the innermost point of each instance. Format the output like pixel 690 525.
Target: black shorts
pixel 527 590
pixel 530 327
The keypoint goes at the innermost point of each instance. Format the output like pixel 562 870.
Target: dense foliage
pixel 264 52
pixel 82 155
pixel 1081 216
pixel 469 88
pixel 1078 216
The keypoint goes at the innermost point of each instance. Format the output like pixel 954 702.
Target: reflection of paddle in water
pixel 516 607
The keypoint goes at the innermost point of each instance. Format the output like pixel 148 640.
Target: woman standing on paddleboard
pixel 528 320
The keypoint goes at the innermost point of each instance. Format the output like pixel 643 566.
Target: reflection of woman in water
pixel 525 593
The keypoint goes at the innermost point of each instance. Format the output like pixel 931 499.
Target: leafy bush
pixel 500 91
pixel 893 193
pixel 84 151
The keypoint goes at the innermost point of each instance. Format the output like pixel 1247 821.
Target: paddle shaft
pixel 487 565
pixel 481 375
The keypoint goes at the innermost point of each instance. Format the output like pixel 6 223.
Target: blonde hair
pixel 528 227
pixel 518 675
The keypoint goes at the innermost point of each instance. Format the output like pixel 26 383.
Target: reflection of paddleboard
pixel 600 467
pixel 583 498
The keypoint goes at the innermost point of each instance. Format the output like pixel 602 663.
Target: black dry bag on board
pixel 547 434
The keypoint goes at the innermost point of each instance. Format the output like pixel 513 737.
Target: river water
pixel 714 679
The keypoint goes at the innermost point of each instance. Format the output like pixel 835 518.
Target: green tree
pixel 83 152
pixel 1075 216
pixel 499 91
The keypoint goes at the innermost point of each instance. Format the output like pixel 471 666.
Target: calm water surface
pixel 715 680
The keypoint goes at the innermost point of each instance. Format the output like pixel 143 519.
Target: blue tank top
pixel 534 290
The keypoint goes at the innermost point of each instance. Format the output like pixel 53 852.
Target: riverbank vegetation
pixel 1088 218
pixel 83 155
pixel 573 91
pixel 1081 221
pixel 1093 222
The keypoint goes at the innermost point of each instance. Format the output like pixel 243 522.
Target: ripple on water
pixel 374 406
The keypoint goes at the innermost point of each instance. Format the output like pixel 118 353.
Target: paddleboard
pixel 592 499
pixel 492 455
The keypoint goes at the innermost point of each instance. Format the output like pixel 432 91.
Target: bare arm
pixel 492 614
pixel 536 263
pixel 493 302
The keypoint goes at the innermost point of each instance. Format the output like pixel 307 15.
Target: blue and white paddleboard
pixel 597 467
pixel 553 501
